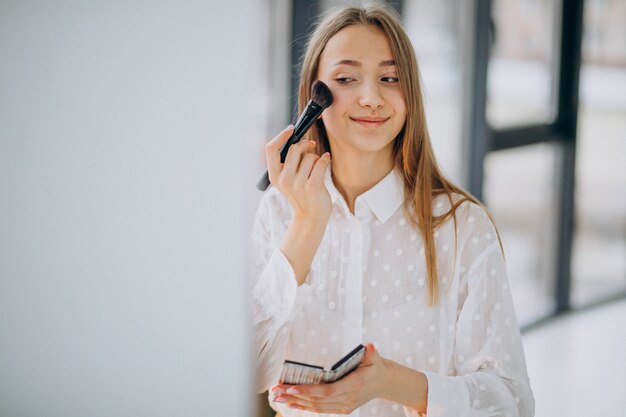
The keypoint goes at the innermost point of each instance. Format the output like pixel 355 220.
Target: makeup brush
pixel 321 97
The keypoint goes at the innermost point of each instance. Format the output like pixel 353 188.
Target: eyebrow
pixel 388 63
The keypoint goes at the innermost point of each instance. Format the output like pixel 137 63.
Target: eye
pixel 344 80
pixel 390 79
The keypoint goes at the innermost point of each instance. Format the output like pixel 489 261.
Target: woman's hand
pixel 368 381
pixel 301 177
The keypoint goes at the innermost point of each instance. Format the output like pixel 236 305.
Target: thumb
pixel 371 354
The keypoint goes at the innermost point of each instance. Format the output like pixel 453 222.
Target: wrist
pixel 300 244
pixel 405 386
pixel 310 220
pixel 388 380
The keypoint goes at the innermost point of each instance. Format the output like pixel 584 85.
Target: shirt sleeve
pixel 491 376
pixel 273 295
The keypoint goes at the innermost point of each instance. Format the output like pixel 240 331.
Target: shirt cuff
pixel 277 288
pixel 447 397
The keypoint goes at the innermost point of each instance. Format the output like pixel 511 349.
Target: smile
pixel 370 121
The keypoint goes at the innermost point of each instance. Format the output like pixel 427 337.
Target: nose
pixel 370 96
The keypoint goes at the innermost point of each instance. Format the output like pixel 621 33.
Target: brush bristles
pixel 320 93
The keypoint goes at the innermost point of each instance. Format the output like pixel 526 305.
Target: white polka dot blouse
pixel 368 283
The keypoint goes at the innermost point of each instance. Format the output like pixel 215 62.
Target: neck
pixel 353 177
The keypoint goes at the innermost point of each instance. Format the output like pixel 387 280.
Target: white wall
pixel 124 183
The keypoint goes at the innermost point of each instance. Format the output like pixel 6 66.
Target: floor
pixel 577 363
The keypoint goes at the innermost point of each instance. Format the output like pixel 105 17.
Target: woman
pixel 376 246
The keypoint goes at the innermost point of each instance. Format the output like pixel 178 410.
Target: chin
pixel 373 146
pixel 366 143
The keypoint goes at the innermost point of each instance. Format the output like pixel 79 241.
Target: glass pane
pixel 599 252
pixel 521 66
pixel 519 191
pixel 435 29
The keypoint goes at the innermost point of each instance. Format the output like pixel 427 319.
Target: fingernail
pixel 278 390
pixel 289 127
pixel 293 391
pixel 280 400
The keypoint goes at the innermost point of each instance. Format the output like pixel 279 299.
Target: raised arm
pixel 282 259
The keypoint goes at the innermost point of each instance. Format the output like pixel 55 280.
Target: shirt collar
pixel 383 199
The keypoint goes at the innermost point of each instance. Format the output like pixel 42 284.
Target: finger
pixel 316 405
pixel 294 155
pixel 272 151
pixel 370 357
pixel 304 170
pixel 312 390
pixel 280 389
pixel 317 173
pixel 371 354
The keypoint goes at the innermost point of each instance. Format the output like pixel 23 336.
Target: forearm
pixel 405 386
pixel 271 345
pixel 300 244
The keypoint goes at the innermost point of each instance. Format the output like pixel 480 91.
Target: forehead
pixel 366 44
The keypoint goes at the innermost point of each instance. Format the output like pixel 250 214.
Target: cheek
pixel 332 123
pixel 340 103
pixel 334 113
pixel 398 103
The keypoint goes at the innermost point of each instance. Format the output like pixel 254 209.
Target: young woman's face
pixel 368 109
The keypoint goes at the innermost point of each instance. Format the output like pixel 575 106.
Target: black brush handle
pixel 310 114
pixel 264 182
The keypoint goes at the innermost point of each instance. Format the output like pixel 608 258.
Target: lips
pixel 370 121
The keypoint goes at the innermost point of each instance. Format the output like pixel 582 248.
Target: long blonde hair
pixel 412 151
